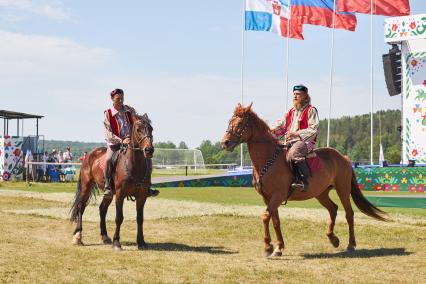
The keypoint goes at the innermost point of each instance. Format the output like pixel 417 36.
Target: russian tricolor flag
pixel 320 13
pixel 273 16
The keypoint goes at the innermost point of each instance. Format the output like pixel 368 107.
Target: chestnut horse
pixel 274 183
pixel 132 179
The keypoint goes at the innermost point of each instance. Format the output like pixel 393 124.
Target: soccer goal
pixel 179 158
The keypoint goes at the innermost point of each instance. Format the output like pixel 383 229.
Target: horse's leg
pixel 325 201
pixel 343 191
pixel 277 227
pixel 103 209
pixel 266 216
pixel 119 200
pixel 273 205
pixel 80 204
pixel 140 203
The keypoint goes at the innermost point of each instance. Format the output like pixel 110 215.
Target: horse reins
pixel 278 149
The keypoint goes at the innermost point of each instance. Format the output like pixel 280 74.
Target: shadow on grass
pixel 362 253
pixel 183 247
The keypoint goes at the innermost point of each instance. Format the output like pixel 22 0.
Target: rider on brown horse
pixel 118 123
pixel 299 130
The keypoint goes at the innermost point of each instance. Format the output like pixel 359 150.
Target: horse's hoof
pixel 76 239
pixel 350 248
pixel 276 254
pixel 106 240
pixel 142 246
pixel 77 242
pixel 334 241
pixel 268 251
pixel 117 247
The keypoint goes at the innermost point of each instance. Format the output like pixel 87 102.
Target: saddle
pixel 114 159
pixel 314 163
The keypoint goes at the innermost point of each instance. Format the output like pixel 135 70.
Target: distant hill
pixel 351 135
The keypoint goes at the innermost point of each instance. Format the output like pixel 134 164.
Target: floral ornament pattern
pixel 399 28
pixel 11 158
pixel 406 179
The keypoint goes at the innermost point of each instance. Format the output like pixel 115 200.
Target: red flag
pixel 380 7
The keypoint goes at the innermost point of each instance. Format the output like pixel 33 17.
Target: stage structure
pixel 410 33
pixel 13 148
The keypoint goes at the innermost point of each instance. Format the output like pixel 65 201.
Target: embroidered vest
pixel 303 120
pixel 115 126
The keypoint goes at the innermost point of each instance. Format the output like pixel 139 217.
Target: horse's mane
pixel 241 111
pixel 144 119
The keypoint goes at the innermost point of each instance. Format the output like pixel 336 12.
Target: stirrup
pixel 153 192
pixel 298 186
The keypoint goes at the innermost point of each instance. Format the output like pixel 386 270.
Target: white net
pixel 175 158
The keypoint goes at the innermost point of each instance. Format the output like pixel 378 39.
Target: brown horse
pixel 132 179
pixel 274 183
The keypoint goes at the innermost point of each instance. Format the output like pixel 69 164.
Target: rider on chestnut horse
pixel 118 123
pixel 299 130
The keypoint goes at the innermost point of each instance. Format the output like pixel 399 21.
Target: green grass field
pixel 201 247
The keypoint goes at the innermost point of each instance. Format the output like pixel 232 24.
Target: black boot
pixel 302 173
pixel 108 181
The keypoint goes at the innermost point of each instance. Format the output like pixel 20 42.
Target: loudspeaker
pixel 393 70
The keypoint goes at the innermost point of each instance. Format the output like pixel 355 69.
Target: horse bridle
pixel 239 133
pixel 139 140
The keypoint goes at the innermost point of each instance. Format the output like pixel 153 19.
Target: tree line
pixel 349 135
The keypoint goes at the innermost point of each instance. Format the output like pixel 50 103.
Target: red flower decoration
pixel 6 176
pixel 378 187
pixel 395 187
pixel 17 152
pixel 360 186
pixel 420 188
pixel 414 152
pixel 413 25
pixel 424 83
pixel 412 188
pixel 394 27
pixel 386 187
pixel 414 62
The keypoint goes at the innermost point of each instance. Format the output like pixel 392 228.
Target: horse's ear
pixel 249 106
pixel 239 105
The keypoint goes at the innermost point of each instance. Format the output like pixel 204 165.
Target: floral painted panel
pixel 369 179
pixel 414 107
pixel 11 158
pixel 412 179
pixel 405 28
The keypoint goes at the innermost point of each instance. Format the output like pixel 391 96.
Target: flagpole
pixel 287 56
pixel 242 70
pixel 371 83
pixel 331 74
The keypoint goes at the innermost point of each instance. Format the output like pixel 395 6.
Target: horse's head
pixel 142 136
pixel 238 128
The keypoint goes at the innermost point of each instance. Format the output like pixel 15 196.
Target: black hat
pixel 116 91
pixel 300 87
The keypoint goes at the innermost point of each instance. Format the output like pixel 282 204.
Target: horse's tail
pixel 363 204
pixel 76 206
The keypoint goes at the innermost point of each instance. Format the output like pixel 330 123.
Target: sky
pixel 179 61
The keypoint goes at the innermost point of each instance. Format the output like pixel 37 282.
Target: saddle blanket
pixel 314 163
